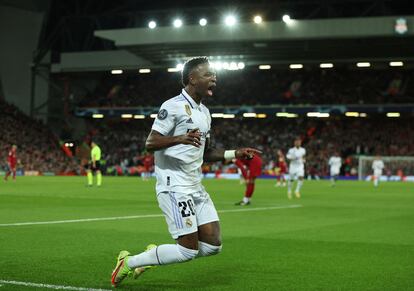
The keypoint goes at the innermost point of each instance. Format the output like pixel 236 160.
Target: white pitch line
pixel 81 220
pixel 260 208
pixel 141 216
pixel 49 286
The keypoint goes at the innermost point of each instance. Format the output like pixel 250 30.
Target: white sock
pixel 246 199
pixel 375 182
pixel 162 255
pixel 299 185
pixel 289 185
pixel 205 249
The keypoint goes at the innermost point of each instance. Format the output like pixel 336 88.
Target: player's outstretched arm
pixel 156 141
pixel 215 155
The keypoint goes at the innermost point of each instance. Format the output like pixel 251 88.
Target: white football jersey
pixel 178 168
pixel 378 165
pixel 335 163
pixel 296 157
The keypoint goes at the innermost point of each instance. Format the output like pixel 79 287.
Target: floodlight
pixel 178 23
pixel 152 24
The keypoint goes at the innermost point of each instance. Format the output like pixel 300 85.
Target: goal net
pixel 397 168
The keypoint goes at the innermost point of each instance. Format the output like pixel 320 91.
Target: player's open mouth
pixel 210 90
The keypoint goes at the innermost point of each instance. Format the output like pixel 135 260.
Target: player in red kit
pixel 11 163
pixel 250 169
pixel 148 162
pixel 281 164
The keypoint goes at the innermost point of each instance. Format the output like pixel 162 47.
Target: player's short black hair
pixel 189 66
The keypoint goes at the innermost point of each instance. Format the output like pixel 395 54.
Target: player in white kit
pixel 180 139
pixel 377 167
pixel 296 157
pixel 335 163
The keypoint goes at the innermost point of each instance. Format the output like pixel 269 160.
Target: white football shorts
pixel 185 212
pixel 378 173
pixel 334 172
pixel 296 172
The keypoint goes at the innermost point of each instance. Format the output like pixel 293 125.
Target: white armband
pixel 229 155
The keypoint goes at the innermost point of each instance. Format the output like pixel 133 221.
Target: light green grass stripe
pixel 49 286
pixel 141 216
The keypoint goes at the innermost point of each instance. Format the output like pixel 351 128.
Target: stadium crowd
pixel 258 87
pixel 37 148
pixel 123 142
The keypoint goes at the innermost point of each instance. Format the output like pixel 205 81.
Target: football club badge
pixel 188 109
pixel 162 114
pixel 188 222
pixel 401 26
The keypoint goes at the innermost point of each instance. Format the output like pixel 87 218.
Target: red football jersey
pixel 282 165
pixel 12 157
pixel 242 168
pixel 148 162
pixel 253 165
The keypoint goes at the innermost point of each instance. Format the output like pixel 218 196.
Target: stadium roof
pixel 271 42
pixel 70 27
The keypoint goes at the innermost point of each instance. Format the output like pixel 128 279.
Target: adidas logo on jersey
pixel 189 120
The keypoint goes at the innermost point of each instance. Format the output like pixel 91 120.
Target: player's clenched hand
pixel 246 153
pixel 193 137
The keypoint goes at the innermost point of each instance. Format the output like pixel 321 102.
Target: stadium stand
pixel 254 87
pixel 38 148
pixel 349 136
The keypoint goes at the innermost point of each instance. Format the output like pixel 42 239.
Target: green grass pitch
pixel 351 237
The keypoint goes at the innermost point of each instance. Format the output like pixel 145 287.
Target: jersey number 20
pixel 187 208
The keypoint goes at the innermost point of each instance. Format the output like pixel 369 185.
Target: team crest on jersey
pixel 187 109
pixel 188 222
pixel 162 114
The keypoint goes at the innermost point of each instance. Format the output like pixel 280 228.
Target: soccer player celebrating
pixel 180 139
pixel 281 164
pixel 296 156
pixel 95 165
pixel 335 163
pixel 377 167
pixel 250 169
pixel 11 163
